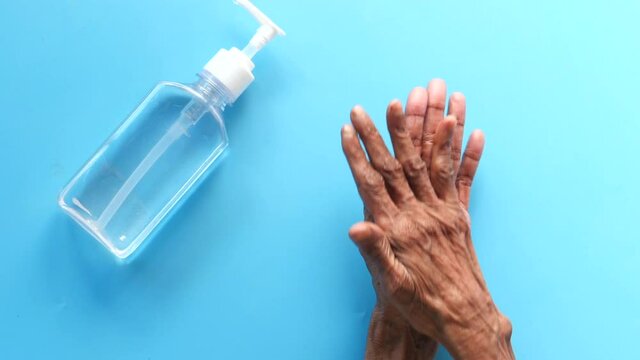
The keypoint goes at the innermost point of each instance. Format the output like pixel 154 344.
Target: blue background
pixel 257 264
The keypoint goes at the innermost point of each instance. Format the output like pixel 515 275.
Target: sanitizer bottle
pixel 162 149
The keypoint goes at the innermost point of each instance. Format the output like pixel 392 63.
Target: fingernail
pixel 347 129
pixel 356 111
pixel 436 84
pixel 457 96
pixel 478 134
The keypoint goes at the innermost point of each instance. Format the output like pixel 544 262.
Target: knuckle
pixel 391 168
pixel 414 166
pixel 506 327
pixel 442 170
pixel 416 141
pixel 370 131
pixel 455 154
pixel 464 180
pixel 443 173
pixel 373 182
pixel 437 103
pixel 401 132
pixel 427 138
pixel 367 215
pixel 472 154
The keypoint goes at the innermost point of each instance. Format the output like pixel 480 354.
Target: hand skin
pixel 417 242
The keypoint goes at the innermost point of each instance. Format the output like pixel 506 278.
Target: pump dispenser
pixel 233 68
pixel 154 159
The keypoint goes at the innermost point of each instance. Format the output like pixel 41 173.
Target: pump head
pixel 233 67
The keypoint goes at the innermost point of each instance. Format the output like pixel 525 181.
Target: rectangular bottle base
pixel 97 233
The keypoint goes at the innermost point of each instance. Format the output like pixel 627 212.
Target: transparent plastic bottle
pixel 149 163
pixel 161 150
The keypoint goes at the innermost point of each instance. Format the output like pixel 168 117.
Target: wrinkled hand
pixel 390 335
pixel 418 245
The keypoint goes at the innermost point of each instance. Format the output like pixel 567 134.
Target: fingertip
pixel 417 101
pixel 477 138
pixel 458 97
pixel 356 111
pixel 437 84
pixel 417 92
pixel 395 107
pixel 445 130
pixel 476 142
pixel 347 139
pixel 477 135
pixel 359 231
pixel 347 130
pixel 437 99
pixel 449 122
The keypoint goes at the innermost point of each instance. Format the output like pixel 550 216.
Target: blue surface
pixel 257 265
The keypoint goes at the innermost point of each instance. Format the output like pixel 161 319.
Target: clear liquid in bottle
pixel 148 164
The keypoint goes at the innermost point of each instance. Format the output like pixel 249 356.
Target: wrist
pixel 486 335
pixel 391 337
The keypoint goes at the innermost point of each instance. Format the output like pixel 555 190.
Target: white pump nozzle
pixel 233 67
pixel 267 31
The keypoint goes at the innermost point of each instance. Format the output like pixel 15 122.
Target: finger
pixel 469 165
pixel 369 182
pixel 416 110
pixel 442 172
pixel 437 95
pixel 458 108
pixel 376 251
pixel 414 167
pixel 379 156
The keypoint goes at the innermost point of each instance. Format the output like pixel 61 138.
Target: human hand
pixel 418 246
pixel 390 335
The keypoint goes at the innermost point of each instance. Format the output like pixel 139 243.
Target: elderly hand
pixel 417 245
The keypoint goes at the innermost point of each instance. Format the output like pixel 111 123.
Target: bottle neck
pixel 212 90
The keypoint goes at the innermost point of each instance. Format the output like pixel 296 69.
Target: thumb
pixel 374 247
